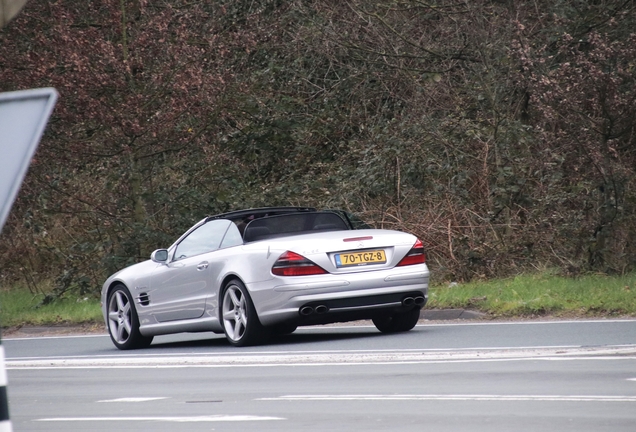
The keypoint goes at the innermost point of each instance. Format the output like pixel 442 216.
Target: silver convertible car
pixel 254 273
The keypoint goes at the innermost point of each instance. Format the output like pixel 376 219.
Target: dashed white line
pixel 441 397
pixel 133 399
pixel 191 419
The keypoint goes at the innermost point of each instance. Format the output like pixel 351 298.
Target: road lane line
pixel 119 355
pixel 270 365
pixel 425 397
pixel 307 352
pixel 501 323
pixel 211 418
pixel 28 338
pixel 133 399
pixel 332 358
pixel 233 354
pixel 156 357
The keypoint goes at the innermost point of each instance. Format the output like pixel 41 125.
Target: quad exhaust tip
pixel 308 310
pixel 322 309
pixel 410 301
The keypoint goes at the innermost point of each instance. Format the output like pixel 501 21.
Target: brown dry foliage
pixel 500 133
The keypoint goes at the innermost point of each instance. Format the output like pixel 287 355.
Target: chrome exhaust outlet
pixel 306 310
pixel 419 300
pixel 408 301
pixel 321 309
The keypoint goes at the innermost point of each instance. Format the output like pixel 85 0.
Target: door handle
pixel 202 266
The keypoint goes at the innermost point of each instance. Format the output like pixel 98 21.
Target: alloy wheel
pixel 120 317
pixel 235 316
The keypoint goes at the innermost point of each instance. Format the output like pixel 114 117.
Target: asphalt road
pixel 547 376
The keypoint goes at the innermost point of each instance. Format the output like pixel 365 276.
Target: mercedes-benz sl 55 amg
pixel 257 272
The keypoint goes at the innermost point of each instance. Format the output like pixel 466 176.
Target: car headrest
pixel 253 233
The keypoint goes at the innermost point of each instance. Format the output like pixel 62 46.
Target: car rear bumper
pixel 336 298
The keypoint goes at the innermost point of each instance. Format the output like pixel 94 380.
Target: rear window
pixel 293 224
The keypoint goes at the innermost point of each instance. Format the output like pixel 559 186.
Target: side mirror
pixel 160 256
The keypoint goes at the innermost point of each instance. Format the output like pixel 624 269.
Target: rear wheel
pixel 123 322
pixel 397 322
pixel 240 322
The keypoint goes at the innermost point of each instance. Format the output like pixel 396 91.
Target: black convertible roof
pixel 244 217
pixel 260 212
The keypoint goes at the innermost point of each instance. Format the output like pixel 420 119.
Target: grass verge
pixel 19 307
pixel 519 297
pixel 541 295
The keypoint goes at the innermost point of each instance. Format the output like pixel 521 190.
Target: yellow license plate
pixel 360 258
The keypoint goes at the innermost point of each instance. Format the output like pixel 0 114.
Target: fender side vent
pixel 143 299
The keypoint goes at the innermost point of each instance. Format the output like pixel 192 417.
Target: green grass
pixel 19 307
pixel 542 294
pixel 522 296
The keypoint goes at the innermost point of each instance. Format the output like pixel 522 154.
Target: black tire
pixel 397 322
pixel 123 321
pixel 238 315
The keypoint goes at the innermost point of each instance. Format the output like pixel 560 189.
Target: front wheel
pixel 123 322
pixel 397 322
pixel 240 322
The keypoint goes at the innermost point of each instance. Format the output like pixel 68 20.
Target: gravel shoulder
pixel 28 331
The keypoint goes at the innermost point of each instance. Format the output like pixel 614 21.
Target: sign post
pixel 23 117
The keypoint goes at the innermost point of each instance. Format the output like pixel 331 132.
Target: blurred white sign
pixel 23 117
pixel 9 8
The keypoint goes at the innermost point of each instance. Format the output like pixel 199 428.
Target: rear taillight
pixel 293 264
pixel 415 256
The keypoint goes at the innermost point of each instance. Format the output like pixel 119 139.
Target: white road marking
pixel 332 358
pixel 631 379
pixel 233 354
pixel 119 355
pixel 500 323
pixel 424 397
pixel 133 399
pixel 25 338
pixel 211 418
